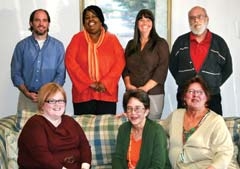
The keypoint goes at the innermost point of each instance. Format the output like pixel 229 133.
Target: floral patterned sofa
pixel 101 132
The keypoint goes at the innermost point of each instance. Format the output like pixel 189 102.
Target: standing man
pixel 201 53
pixel 37 59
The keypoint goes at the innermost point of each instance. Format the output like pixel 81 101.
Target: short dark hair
pixel 33 14
pixel 139 94
pixel 199 80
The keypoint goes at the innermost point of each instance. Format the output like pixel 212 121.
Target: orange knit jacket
pixel 111 63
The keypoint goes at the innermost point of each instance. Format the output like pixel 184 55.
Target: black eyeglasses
pixel 53 101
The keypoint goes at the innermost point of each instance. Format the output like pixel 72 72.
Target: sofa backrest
pixel 101 131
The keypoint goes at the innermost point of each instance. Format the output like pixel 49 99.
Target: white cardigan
pixel 210 144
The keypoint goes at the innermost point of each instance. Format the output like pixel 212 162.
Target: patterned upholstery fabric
pixel 11 138
pixel 233 124
pixel 21 118
pixel 101 132
pixel 5 123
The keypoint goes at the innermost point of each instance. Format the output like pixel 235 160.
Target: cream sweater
pixel 210 144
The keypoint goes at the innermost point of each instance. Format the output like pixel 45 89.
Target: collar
pixel 207 37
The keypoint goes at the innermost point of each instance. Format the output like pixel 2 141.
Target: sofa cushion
pixel 101 131
pixel 233 124
pixel 11 138
pixel 9 123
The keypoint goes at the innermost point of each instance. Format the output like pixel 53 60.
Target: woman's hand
pixel 98 87
pixel 130 87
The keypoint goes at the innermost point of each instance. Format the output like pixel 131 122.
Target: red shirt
pixel 199 51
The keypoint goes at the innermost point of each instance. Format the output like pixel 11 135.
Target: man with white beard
pixel 201 53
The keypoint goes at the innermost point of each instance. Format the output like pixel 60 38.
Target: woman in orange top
pixel 94 61
pixel 141 142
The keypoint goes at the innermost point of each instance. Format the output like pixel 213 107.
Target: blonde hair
pixel 48 90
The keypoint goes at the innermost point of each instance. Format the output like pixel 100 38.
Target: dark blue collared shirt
pixel 34 67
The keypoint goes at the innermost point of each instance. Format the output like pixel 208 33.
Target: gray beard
pixel 199 31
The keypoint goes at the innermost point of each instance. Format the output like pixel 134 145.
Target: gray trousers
pixel 156 106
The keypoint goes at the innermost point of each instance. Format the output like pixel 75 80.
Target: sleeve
pixel 78 77
pixel 33 140
pixel 227 68
pixel 125 70
pixel 160 150
pixel 222 145
pixel 119 157
pixel 160 72
pixel 111 79
pixel 16 66
pixel 61 70
pixel 166 123
pixel 173 61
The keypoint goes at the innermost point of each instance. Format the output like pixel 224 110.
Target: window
pixel 120 16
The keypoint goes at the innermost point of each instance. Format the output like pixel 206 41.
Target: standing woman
pixel 147 57
pixel 94 61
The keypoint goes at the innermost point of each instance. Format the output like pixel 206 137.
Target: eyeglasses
pixel 137 109
pixel 195 92
pixel 199 17
pixel 53 101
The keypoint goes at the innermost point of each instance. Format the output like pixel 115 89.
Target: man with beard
pixel 37 60
pixel 201 53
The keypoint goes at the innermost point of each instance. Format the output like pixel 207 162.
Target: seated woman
pixel 198 137
pixel 50 139
pixel 141 142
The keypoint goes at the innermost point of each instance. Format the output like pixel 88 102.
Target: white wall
pixel 14 15
pixel 224 18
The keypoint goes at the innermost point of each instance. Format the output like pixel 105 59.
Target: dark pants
pixel 94 107
pixel 214 104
